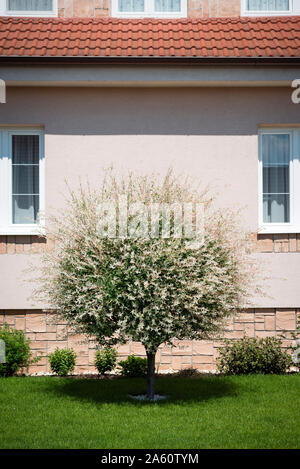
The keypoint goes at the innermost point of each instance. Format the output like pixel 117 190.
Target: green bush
pixel 188 373
pixel 106 360
pixel 134 367
pixel 17 350
pixel 62 361
pixel 253 356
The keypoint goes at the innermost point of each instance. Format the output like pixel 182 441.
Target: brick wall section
pixel 45 336
pixel 196 8
pixel 277 242
pixel 263 243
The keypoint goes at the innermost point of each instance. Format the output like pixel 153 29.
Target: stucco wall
pixel 210 133
pixel 196 8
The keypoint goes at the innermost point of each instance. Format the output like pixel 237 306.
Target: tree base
pixel 144 397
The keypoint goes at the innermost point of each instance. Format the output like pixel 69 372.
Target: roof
pixel 272 37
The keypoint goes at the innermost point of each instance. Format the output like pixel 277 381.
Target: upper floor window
pixel 270 7
pixel 149 8
pixel 22 185
pixel 28 7
pixel 279 173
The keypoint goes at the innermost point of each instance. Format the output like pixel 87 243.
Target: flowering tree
pixel 147 289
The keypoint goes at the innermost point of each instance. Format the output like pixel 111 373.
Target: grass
pixel 206 412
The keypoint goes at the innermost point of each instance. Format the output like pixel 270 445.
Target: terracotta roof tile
pixel 111 37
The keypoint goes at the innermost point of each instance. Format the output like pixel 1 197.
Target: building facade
pixel 210 96
pixel 149 8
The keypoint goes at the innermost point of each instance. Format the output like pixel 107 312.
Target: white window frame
pixel 7 227
pixel 4 11
pixel 149 11
pixel 294 225
pixel 293 10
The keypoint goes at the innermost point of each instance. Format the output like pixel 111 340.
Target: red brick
pixel 11 244
pixel 293 242
pixel 38 244
pixel 2 244
pixel 265 243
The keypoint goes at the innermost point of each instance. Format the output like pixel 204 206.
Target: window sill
pixel 150 15
pixel 38 14
pixel 279 229
pixel 268 13
pixel 21 230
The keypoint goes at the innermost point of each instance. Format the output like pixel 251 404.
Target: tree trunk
pixel 150 375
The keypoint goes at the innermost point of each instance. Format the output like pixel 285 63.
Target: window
pixel 270 7
pixel 149 8
pixel 22 185
pixel 28 7
pixel 279 176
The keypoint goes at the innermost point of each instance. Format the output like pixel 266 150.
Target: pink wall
pixel 196 8
pixel 210 133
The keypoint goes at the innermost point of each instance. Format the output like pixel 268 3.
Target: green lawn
pixel 205 412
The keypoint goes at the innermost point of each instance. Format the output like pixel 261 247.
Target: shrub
pixel 188 373
pixel 250 356
pixel 134 367
pixel 106 360
pixel 62 361
pixel 17 349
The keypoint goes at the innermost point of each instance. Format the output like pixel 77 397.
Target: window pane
pixel 25 209
pixel 276 178
pixel 276 208
pixel 25 178
pixel 268 5
pixel 30 5
pixel 131 5
pixel 167 5
pixel 25 149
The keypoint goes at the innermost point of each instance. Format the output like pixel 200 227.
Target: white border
pixel 6 225
pixel 5 12
pixel 149 11
pixel 294 225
